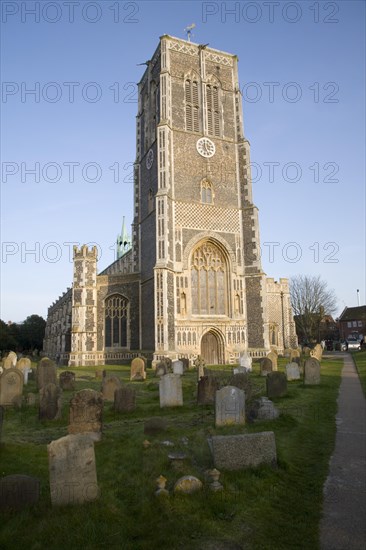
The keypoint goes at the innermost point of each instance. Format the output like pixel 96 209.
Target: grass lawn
pixel 261 508
pixel 359 358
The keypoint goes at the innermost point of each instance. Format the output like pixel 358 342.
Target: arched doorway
pixel 211 349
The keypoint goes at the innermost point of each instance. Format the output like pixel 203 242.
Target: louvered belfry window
pixel 192 105
pixel 213 114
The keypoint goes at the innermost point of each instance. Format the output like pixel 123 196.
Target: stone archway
pixel 212 348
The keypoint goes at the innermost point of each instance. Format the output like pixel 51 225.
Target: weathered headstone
pixel 185 362
pixel 10 360
pixel 67 381
pixel 317 352
pixel 276 383
pixel 138 369
pixel 273 357
pixel 263 409
pixel 229 406
pixel 1 420
pixel 294 354
pixel 170 391
pixel 177 367
pixel 24 365
pixel 73 475
pixel 50 402
pixel 155 425
pixel 11 386
pixel 293 371
pixel 265 366
pixel 46 372
pixel 161 369
pixel 187 485
pixel 245 361
pixel 109 386
pixel 311 372
pixel 200 365
pixel 31 399
pixel 18 491
pixel 124 399
pixel 86 412
pixel 206 390
pixel 235 452
pixel 306 350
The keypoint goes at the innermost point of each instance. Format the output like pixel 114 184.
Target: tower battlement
pixel 85 252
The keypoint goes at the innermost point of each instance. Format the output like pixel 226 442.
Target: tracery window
pixel 191 97
pixel 116 321
pixel 212 110
pixel 208 281
pixel 206 192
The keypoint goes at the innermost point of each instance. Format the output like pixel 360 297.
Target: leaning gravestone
pixel 273 357
pixel 86 413
pixel 11 387
pixel 235 452
pixel 46 373
pixel 170 391
pixel 292 371
pixel 265 366
pixel 229 406
pixel 10 360
pixel 73 475
pixel 50 402
pixel 138 369
pixel 124 399
pixel 311 372
pixel 178 367
pixel 67 381
pixel 18 491
pixel 109 386
pixel 276 383
pixel 206 390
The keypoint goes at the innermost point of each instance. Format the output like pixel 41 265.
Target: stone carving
pixel 138 369
pixel 11 386
pixel 86 412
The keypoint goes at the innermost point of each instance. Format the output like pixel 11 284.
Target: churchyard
pixel 141 450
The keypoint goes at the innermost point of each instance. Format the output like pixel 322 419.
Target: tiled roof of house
pixel 353 313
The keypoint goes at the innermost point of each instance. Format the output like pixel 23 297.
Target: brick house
pixel 352 322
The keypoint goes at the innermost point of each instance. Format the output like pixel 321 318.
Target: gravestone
pixel 311 372
pixel 206 390
pixel 86 413
pixel 138 369
pixel 1 420
pixel 263 409
pixel 109 386
pixel 18 491
pixel 276 384
pixel 155 425
pixel 10 360
pixel 67 381
pixel 161 369
pixel 170 391
pixel 124 399
pixel 50 402
pixel 273 357
pixel 11 386
pixel 292 371
pixel 306 350
pixel 317 352
pixel 245 361
pixel 25 366
pixel 294 354
pixel 46 373
pixel 229 406
pixel 265 366
pixel 31 399
pixel 187 485
pixel 185 362
pixel 178 367
pixel 72 470
pixel 236 452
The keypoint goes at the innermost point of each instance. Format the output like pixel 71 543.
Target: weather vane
pixel 188 30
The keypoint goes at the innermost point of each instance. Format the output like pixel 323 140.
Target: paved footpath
pixel 343 526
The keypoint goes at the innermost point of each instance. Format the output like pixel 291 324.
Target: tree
pixel 8 340
pixel 311 299
pixel 31 333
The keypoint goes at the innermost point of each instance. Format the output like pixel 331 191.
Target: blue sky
pixel 302 75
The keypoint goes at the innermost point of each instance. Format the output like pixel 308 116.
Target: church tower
pixel 195 230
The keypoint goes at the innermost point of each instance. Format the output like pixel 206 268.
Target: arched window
pixel 212 110
pixel 206 192
pixel 191 97
pixel 208 281
pixel 116 321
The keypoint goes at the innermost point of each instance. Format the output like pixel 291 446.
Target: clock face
pixel 150 159
pixel 205 147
